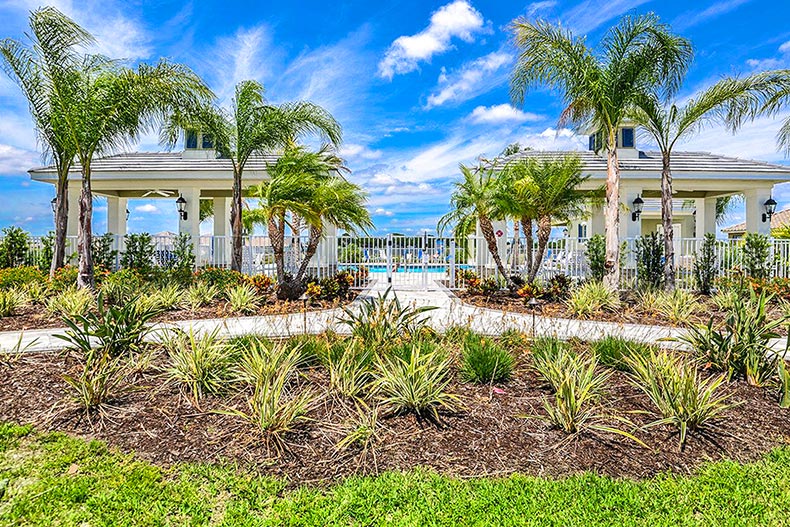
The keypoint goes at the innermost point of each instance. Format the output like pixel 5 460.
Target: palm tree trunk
pixel 61 225
pixel 611 277
pixel 526 226
pixel 544 233
pixel 235 222
pixel 488 233
pixel 312 247
pixel 277 240
pixel 85 232
pixel 515 247
pixel 666 220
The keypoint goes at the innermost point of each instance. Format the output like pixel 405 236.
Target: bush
pixel 649 261
pixel 102 252
pixel 677 306
pixel 138 253
pixel 13 247
pixel 682 397
pixel 596 257
pixel 242 299
pixel 122 286
pixel 513 340
pixel 705 265
pixel 263 284
pixel 559 287
pixel 200 364
pixel 485 361
pixel 166 298
pixel 102 378
pixel 313 348
pixel 71 302
pixel 349 364
pixel 592 298
pixel 10 302
pixel 742 347
pixel 222 279
pixel 613 351
pixel 552 359
pixel 16 277
pixel 183 263
pixel 417 385
pixel 64 278
pixel 755 253
pixel 200 294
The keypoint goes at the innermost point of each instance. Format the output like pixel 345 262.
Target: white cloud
pixel 148 208
pixel 14 161
pixel 591 14
pixel 355 151
pixel 536 8
pixel 383 212
pixel 470 80
pixel 785 48
pixel 457 19
pixel 772 62
pixel 247 54
pixel 714 10
pixel 501 113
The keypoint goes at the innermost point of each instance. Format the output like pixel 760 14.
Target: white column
pixel 501 241
pixel 327 247
pixel 74 208
pixel 755 199
pixel 597 223
pixel 628 227
pixel 222 244
pixel 705 217
pixel 191 225
pixel 116 215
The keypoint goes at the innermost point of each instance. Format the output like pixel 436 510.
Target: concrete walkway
pixel 450 311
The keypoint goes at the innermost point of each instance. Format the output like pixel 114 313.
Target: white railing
pixel 419 261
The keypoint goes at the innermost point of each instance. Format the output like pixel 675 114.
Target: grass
pixel 112 489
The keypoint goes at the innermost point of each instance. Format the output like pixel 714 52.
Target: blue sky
pixel 419 86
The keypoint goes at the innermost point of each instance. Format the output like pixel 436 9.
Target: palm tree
pixel 549 188
pixel 112 106
pixel 250 127
pixel 43 70
pixel 669 122
pixel 474 202
pixel 638 56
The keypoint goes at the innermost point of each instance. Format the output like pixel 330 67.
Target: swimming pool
pixel 412 268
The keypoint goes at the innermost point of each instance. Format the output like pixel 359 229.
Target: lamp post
pixel 533 306
pixel 304 298
pixel 769 207
pixel 181 203
pixel 636 208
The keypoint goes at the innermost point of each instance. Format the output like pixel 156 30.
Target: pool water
pixel 416 268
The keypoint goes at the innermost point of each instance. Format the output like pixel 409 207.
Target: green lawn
pixel 41 485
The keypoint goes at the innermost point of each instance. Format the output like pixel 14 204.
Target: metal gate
pixel 404 262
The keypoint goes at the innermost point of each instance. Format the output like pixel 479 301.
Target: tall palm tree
pixel 252 126
pixel 111 107
pixel 670 122
pixel 474 202
pixel 638 56
pixel 550 188
pixel 43 69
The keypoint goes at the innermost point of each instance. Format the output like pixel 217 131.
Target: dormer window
pixel 626 137
pixel 190 140
pixel 208 142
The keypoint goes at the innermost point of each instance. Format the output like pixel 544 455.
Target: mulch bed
pixel 35 317
pixel 630 313
pixel 489 437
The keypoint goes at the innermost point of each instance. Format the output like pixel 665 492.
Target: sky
pixel 419 86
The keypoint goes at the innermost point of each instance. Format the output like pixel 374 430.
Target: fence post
pixel 389 259
pixel 424 259
pixel 452 264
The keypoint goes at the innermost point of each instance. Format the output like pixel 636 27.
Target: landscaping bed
pixel 489 435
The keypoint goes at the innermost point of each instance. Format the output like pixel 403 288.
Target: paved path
pixel 451 311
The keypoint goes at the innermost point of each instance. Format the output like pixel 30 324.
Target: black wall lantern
pixel 54 204
pixel 770 208
pixel 636 208
pixel 127 214
pixel 182 207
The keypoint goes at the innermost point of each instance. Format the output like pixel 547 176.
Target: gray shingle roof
pixel 780 219
pixel 651 162
pixel 162 162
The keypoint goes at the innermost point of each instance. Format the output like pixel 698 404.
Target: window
pixel 592 143
pixel 582 230
pixel 190 139
pixel 627 138
pixel 596 141
pixel 208 142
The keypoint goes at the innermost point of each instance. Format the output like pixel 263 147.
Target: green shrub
pixel 742 347
pixel 649 261
pixel 513 340
pixel 15 277
pixel 71 303
pixel 784 382
pixel 222 279
pixel 596 257
pixel 677 306
pixel 64 278
pixel 313 348
pixel 102 378
pixel 349 365
pixel 200 364
pixel 200 294
pixel 10 302
pixel 612 351
pixel 484 361
pixel 14 245
pixel 138 253
pixel 36 292
pixel 705 265
pixel 456 334
pixel 102 252
pixel 553 360
pixel 242 299
pixel 166 298
pixel 416 385
pixel 682 397
pixel 755 252
pixel 592 298
pixel 121 286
